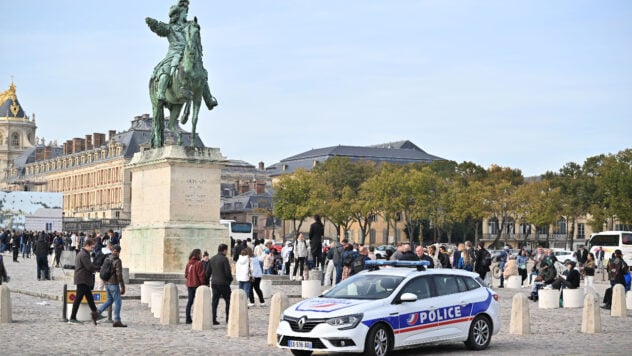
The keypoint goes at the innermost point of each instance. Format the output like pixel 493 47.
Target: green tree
pixel 292 198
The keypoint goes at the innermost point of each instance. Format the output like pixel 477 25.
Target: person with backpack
pixel 483 260
pixel 348 255
pixel 112 274
pixel 358 263
pixel 502 260
pixel 617 270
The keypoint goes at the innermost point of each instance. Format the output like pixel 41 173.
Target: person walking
pixel 243 270
pixel 84 279
pixel 589 270
pixel 522 260
pixel 41 257
pixel 257 274
pixel 482 261
pixel 218 270
pixel 114 286
pixel 16 245
pixel 195 276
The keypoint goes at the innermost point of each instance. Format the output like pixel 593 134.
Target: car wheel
pixel 378 341
pixel 301 352
pixel 480 333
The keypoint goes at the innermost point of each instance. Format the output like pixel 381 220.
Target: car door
pixel 414 326
pixel 453 306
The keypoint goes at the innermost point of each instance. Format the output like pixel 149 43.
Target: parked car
pixel 564 255
pixel 377 311
pixel 382 251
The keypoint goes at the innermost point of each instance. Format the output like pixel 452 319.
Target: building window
pixel 581 231
pixel 493 226
pixel 561 226
pixel 372 236
pixel 255 220
pixel 543 229
pixel 15 139
pixel 49 226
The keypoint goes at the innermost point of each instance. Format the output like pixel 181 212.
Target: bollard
pixel 169 312
pixel 5 305
pixel 310 288
pixel 628 300
pixel 238 315
pixel 591 316
pixel 147 288
pixel 514 282
pixel 573 298
pixel 202 309
pixel 279 303
pixel 520 323
pixel 266 288
pixel 548 298
pixel 618 301
pixel 125 275
pixel 316 275
pixel 156 303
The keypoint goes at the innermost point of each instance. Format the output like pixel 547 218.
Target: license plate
pixel 299 344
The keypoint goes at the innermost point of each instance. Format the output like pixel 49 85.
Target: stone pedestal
pixel 514 282
pixel 548 298
pixel 618 307
pixel 169 312
pixel 175 197
pixel 5 305
pixel 238 318
pixel 279 303
pixel 202 309
pixel 573 298
pixel 591 316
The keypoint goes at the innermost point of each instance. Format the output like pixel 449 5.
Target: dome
pixel 9 104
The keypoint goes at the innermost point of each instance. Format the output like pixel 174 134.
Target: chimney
pixel 88 142
pixel 39 154
pixel 243 187
pixel 261 187
pixel 69 150
pixel 78 145
pixel 111 134
pixel 48 152
pixel 99 139
pixel 261 166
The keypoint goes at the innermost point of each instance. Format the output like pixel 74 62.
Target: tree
pixel 498 189
pixel 292 198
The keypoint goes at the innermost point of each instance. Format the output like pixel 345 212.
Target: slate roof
pixel 9 99
pixel 138 134
pixel 400 152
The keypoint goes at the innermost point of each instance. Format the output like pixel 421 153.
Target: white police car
pixel 375 312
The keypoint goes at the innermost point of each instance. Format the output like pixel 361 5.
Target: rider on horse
pixel 175 33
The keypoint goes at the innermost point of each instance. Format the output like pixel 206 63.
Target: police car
pixel 380 310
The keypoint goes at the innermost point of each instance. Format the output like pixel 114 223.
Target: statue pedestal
pixel 175 197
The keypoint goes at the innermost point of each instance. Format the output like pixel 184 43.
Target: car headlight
pixel 345 322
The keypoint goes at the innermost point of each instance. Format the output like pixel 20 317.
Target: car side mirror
pixel 408 297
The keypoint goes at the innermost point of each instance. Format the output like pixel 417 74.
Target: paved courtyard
pixel 37 329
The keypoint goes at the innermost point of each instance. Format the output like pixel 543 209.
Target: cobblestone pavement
pixel 37 329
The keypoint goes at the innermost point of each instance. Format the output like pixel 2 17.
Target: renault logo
pixel 301 322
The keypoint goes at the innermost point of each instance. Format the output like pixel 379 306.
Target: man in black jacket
pixel 84 279
pixel 218 270
pixel 41 250
pixel 316 232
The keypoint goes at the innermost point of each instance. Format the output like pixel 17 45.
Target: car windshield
pixel 365 286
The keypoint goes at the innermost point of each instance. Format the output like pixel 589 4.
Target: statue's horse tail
pixel 210 101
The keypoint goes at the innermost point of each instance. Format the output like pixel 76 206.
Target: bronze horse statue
pixel 187 87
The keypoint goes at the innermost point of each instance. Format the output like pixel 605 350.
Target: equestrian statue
pixel 179 80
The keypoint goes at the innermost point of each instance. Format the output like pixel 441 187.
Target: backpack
pixel 99 258
pixel 358 264
pixel 348 259
pixel 616 268
pixel 107 269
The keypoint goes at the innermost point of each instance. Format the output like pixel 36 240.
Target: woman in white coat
pixel 243 270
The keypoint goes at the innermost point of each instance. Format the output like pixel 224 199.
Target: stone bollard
pixel 591 316
pixel 573 298
pixel 266 288
pixel 514 282
pixel 147 288
pixel 310 288
pixel 170 311
pixel 316 275
pixel 279 303
pixel 238 315
pixel 156 303
pixel 618 301
pixel 548 298
pixel 520 323
pixel 628 300
pixel 5 305
pixel 202 309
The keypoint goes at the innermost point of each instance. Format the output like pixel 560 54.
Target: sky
pixel 521 84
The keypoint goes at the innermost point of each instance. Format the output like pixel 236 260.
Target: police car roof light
pixel 420 265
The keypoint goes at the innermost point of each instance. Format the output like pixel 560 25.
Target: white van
pixel 611 241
